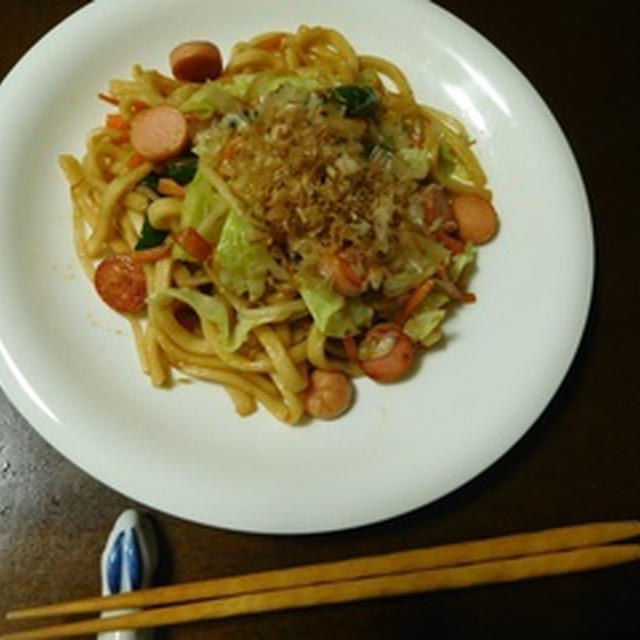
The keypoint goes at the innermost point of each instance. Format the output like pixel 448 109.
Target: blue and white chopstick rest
pixel 128 563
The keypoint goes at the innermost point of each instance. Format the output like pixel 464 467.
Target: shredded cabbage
pixel 422 257
pixel 418 160
pixel 421 325
pixel 424 325
pixel 221 96
pixel 349 319
pixel 460 261
pixel 201 202
pixel 335 315
pixel 270 83
pixel 215 309
pixel 213 97
pixel 244 264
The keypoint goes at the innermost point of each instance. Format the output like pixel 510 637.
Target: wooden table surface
pixel 578 463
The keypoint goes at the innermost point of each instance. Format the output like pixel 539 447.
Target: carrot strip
pixel 138 105
pixel 441 271
pixel 192 242
pixel 145 256
pixel 110 99
pixel 449 242
pixel 351 348
pixel 414 301
pixel 169 187
pixel 135 161
pixel 271 44
pixel 116 122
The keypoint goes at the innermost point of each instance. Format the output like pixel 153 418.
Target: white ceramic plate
pixel 68 362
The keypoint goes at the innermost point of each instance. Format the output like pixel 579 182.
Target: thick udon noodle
pixel 272 367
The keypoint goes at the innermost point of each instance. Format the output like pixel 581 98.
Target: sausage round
pixel 120 281
pixel 159 133
pixel 196 61
pixel 329 394
pixel 386 354
pixel 476 217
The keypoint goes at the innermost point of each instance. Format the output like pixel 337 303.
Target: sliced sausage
pixel 386 353
pixel 159 133
pixel 120 281
pixel 196 61
pixel 329 394
pixel 344 279
pixel 477 219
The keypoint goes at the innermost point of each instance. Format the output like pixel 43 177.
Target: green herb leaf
pixel 447 159
pixel 183 170
pixel 151 180
pixel 150 236
pixel 359 101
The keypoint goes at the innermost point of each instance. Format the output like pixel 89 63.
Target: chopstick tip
pixel 633 527
pixel 13 615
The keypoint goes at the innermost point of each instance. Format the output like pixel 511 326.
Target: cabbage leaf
pixel 422 324
pixel 214 309
pixel 216 96
pixel 242 263
pixel 422 257
pixel 335 315
pixel 460 261
pixel 200 209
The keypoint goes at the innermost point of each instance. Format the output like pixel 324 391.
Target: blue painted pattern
pixel 133 559
pixel 114 565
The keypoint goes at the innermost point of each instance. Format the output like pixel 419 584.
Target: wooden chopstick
pixel 510 546
pixel 495 571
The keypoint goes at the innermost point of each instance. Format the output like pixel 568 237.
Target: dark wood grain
pixel 579 462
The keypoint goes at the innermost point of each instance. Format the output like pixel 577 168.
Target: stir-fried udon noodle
pixel 280 224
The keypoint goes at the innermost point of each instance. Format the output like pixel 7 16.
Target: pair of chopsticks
pixel 489 561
